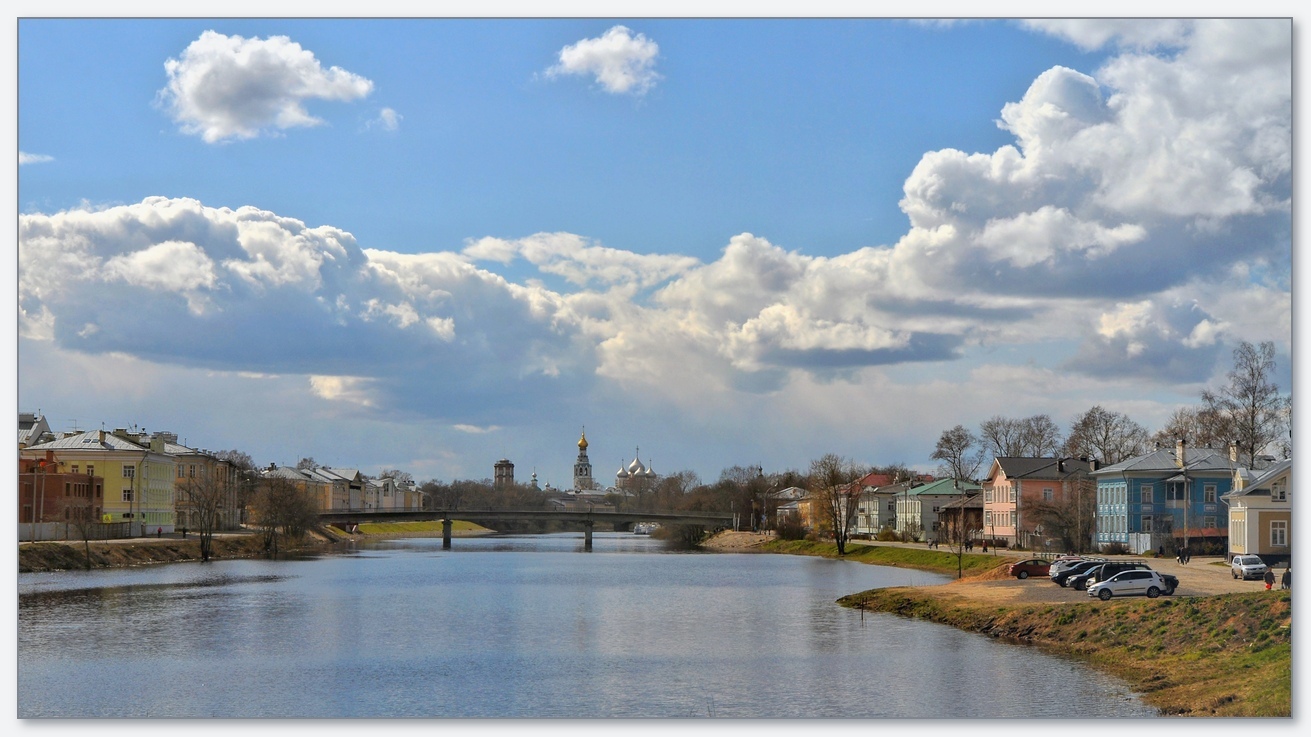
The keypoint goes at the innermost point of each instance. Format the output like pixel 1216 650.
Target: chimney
pixel 1060 465
pixel 1179 452
pixel 102 437
pixel 1092 464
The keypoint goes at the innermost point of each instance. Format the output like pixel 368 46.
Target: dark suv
pixel 1062 578
pixel 1081 581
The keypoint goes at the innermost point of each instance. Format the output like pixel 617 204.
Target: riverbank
pixel 1225 653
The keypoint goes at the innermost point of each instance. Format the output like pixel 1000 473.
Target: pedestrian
pixel 159 532
pixel 184 532
pixel 1269 579
pixel 985 546
pixel 1188 555
pixel 1286 582
pixel 1160 551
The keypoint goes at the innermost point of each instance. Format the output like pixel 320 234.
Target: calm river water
pixel 522 626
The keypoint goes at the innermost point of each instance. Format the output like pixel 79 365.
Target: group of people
pixel 1285 582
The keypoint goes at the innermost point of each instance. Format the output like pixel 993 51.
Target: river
pixel 519 626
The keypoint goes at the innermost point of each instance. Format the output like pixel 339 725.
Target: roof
pixel 286 472
pixel 1197 460
pixel 943 487
pixel 90 440
pixel 971 501
pixel 1260 486
pixel 1040 468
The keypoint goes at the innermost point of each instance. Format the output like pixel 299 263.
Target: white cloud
pixel 223 87
pixel 25 158
pixel 388 119
pixel 476 430
pixel 351 389
pixel 1091 34
pixel 620 62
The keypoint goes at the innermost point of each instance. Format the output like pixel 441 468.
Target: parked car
pixel 1128 583
pixel 1081 581
pixel 1030 567
pixel 1062 578
pixel 1247 566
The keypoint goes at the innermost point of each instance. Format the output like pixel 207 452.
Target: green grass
pixel 1195 656
pixel 938 561
pixel 398 528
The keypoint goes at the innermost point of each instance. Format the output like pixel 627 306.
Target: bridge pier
pixel 446 533
pixel 587 536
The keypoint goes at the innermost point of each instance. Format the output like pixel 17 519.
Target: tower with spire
pixel 583 467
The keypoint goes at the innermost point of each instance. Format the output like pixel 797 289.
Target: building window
pixel 74 468
pixel 179 470
pixel 1147 493
pixel 1014 518
pixel 1279 491
pixel 129 472
pixel 1208 522
pixel 987 495
pixel 1012 492
pixel 1208 493
pixel 127 494
pixel 987 519
pixel 1279 533
pixel 191 471
pixel 1048 495
pixel 1146 523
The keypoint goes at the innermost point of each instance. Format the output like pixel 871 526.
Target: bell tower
pixel 583 467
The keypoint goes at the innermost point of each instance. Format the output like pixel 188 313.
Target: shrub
pixel 887 535
pixel 789 528
pixel 1115 549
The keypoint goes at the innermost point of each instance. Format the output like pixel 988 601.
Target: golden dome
pixel 582 442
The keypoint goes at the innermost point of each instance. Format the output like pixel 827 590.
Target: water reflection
pixel 514 626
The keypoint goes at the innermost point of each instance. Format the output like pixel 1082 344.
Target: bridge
pixel 618 520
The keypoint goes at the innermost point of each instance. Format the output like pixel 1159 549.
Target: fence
pixel 41 531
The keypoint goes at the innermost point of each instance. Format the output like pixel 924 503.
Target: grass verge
pixel 429 527
pixel 937 561
pixel 1226 655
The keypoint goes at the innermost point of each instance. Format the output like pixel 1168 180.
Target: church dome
pixel 622 474
pixel 582 442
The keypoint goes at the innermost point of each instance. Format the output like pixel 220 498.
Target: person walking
pixel 1269 579
pixel 1286 582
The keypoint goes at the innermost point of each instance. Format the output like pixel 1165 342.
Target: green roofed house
pixel 919 507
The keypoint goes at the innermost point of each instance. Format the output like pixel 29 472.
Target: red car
pixel 1031 567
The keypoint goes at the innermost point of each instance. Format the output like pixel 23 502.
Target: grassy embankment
pixel 431 528
pixel 936 561
pixel 1226 655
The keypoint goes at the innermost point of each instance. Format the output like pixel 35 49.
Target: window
pixel 191 471
pixel 179 470
pixel 127 494
pixel 1147 493
pixel 90 470
pixel 1012 493
pixel 1014 518
pixel 1208 493
pixel 1279 533
pixel 1048 495
pixel 1208 522
pixel 987 519
pixel 1146 523
pixel 74 468
pixel 987 495
pixel 1278 491
pixel 129 472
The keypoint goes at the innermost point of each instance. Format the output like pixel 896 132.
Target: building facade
pixel 1015 485
pixel 1261 514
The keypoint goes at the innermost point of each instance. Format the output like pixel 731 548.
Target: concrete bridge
pixel 618 521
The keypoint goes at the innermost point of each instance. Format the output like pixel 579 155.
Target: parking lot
pixel 1200 577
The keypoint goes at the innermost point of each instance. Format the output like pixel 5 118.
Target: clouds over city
pixel 1140 215
pixel 228 87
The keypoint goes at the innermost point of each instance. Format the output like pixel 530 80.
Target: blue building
pixel 1167 498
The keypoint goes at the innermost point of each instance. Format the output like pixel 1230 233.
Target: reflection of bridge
pixel 618 520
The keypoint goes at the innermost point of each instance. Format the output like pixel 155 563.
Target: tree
pixel 307 464
pixel 959 452
pixel 837 496
pixel 1042 437
pixel 959 529
pixel 204 496
pixel 401 477
pixel 240 459
pixel 1030 437
pixel 1108 436
pixel 1250 402
pixel 283 509
pixel 1070 517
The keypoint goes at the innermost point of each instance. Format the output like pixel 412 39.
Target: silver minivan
pixel 1247 566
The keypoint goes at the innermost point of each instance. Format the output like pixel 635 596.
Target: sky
pixel 427 244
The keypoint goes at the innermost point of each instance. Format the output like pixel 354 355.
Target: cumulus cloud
pixel 25 158
pixel 619 61
pixel 224 87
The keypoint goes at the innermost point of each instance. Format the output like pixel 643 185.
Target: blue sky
pixel 428 244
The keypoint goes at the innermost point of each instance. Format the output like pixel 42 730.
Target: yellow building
pixel 138 478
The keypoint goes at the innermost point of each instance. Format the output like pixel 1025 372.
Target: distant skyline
pixel 430 244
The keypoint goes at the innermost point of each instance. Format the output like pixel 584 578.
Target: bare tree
pixel 1251 400
pixel 832 485
pixel 1042 437
pixel 1072 516
pixel 401 477
pixel 1002 437
pixel 1108 436
pixel 307 464
pixel 283 510
pixel 959 529
pixel 959 452
pixel 240 459
pixel 204 497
